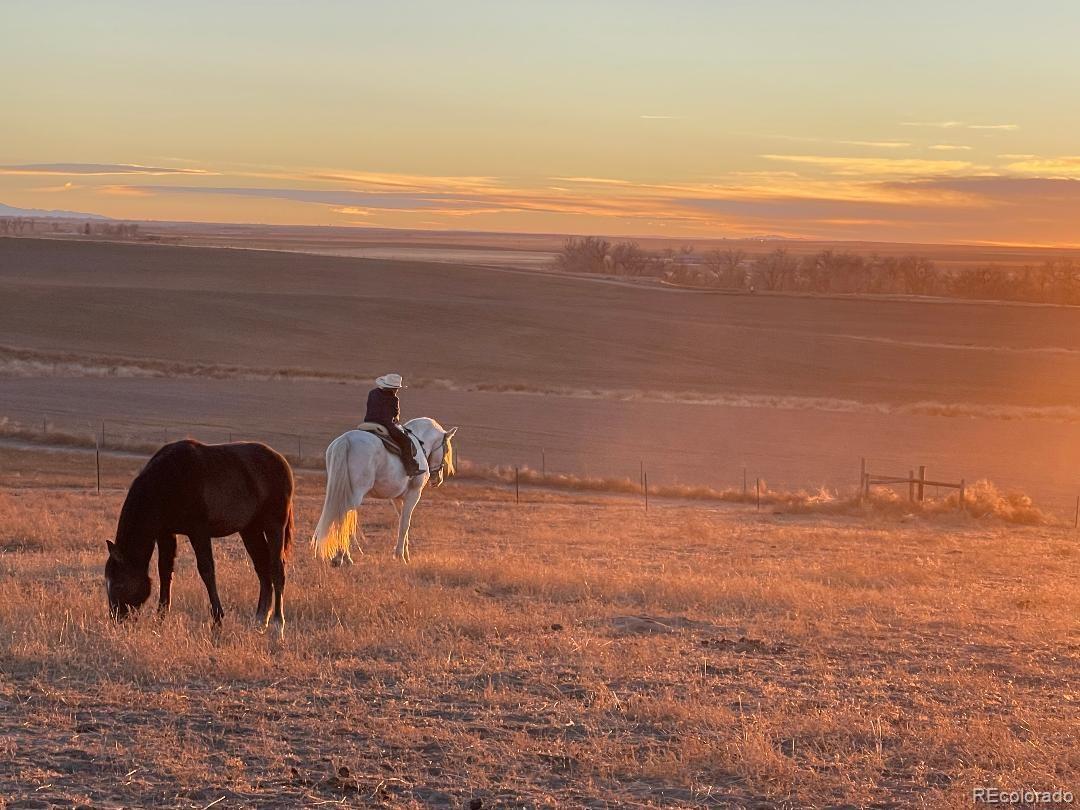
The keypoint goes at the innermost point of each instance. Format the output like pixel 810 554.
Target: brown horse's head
pixel 126 585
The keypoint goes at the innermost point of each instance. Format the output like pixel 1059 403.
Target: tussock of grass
pixel 982 500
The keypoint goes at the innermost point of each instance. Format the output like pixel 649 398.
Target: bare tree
pixel 728 268
pixel 776 270
pixel 918 273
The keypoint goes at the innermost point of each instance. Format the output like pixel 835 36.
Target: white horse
pixel 358 464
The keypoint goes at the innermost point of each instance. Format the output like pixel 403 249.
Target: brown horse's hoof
pixel 275 632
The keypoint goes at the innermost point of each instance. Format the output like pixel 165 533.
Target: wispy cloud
pixel 869 144
pixel 68 186
pixel 934 124
pixel 877 144
pixel 403 182
pixel 950 147
pixel 94 169
pixel 958 125
pixel 126 191
pixel 877 166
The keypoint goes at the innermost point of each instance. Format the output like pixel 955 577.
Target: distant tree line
pixel 17 225
pixel 23 225
pixel 828 271
pixel 114 230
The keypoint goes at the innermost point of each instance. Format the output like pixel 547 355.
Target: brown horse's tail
pixel 286 546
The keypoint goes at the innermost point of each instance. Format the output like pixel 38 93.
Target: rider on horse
pixel 384 409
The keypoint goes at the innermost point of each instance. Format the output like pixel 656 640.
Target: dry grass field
pixel 569 651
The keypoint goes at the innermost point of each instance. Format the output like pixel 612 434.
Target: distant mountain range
pixel 11 211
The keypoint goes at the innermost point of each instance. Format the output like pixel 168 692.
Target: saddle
pixel 384 435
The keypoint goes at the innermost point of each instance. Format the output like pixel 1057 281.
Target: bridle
pixel 432 471
pixel 442 457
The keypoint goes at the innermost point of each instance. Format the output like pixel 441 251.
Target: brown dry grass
pixel 569 651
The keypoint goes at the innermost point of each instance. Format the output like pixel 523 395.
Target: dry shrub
pixel 982 500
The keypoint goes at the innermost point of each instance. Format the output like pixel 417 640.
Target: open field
pixel 470 326
pixel 569 651
pixel 586 378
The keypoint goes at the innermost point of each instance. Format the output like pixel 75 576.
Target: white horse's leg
pixel 409 501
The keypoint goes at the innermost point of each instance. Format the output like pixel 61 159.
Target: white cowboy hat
pixel 390 381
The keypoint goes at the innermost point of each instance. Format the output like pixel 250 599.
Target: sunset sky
pixel 915 121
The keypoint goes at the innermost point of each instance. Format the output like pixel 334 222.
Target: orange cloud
pixel 1066 166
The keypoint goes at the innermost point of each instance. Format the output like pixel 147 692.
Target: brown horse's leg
pixel 255 543
pixel 166 562
pixel 204 557
pixel 275 543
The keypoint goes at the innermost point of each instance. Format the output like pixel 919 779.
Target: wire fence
pixel 509 453
pixel 544 452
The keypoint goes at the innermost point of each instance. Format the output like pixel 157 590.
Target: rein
pixel 442 461
pixel 423 449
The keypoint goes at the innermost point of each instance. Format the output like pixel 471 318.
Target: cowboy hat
pixel 390 381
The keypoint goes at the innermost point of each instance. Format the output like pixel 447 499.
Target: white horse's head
pixel 438 446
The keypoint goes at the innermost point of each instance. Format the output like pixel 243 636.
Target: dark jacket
pixel 383 406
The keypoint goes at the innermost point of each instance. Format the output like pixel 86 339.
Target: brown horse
pixel 204 491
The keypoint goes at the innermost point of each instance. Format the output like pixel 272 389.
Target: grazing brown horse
pixel 204 491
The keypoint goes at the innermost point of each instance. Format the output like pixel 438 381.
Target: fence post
pixel 543 463
pixel 757 485
pixel 517 486
pixel 962 489
pixel 102 432
pixel 862 477
pixel 911 486
pixel 97 465
pixel 645 486
pixel 230 437
pixel 44 425
pixel 744 481
pixel 922 484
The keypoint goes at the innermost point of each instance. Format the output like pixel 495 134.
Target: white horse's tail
pixel 337 524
